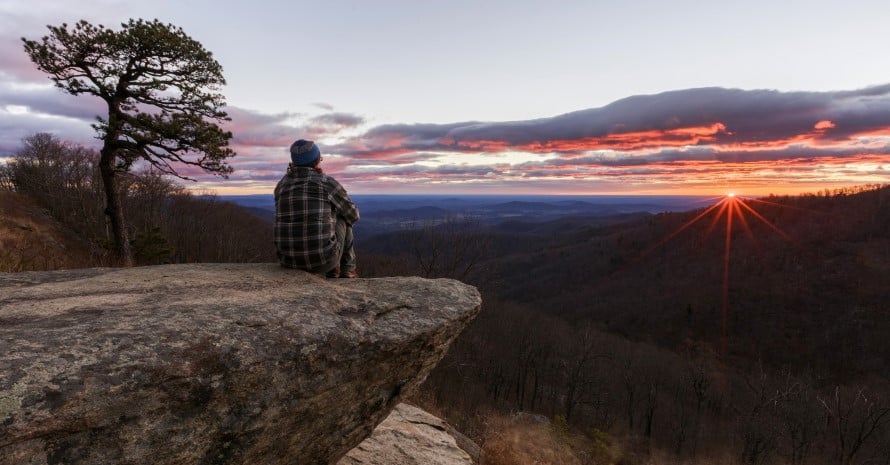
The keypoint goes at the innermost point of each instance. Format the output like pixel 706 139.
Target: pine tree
pixel 162 90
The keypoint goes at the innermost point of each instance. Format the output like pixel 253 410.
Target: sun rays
pixel 732 212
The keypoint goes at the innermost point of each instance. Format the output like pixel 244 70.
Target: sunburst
pixel 728 209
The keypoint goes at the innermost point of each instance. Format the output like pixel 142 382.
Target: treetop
pixel 161 86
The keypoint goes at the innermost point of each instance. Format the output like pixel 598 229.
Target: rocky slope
pixel 211 363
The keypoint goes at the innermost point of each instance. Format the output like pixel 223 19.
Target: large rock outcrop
pixel 411 436
pixel 211 363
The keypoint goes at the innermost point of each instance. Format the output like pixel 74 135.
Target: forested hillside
pixel 167 223
pixel 31 239
pixel 676 338
pixel 807 288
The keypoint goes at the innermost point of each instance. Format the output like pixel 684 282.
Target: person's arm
pixel 342 204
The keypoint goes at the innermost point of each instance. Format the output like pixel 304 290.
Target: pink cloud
pixel 16 65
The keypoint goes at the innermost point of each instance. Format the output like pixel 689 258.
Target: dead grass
pixel 509 442
pixel 31 240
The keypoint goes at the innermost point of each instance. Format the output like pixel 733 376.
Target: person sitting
pixel 313 217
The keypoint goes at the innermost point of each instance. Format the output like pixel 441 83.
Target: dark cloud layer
pixel 338 120
pixel 45 99
pixel 716 117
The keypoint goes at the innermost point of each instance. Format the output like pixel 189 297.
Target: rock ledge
pixel 211 363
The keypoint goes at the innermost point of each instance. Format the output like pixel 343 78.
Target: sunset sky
pixel 542 97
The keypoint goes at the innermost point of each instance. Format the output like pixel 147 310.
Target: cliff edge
pixel 211 363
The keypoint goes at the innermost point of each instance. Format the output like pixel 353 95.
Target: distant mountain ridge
pixel 386 213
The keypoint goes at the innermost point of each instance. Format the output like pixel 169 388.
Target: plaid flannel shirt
pixel 307 204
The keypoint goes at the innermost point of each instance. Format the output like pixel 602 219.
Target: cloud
pixel 337 120
pixel 15 127
pixel 45 99
pixel 252 129
pixel 687 138
pixel 399 159
pixel 713 116
pixel 256 129
pixel 714 154
pixel 395 139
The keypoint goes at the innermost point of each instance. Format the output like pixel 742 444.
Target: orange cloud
pixel 623 141
pixel 877 132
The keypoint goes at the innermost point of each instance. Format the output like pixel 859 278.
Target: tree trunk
pixel 631 393
pixel 113 206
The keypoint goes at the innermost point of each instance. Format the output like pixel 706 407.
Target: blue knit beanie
pixel 304 153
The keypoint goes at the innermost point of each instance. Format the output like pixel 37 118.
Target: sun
pixel 731 194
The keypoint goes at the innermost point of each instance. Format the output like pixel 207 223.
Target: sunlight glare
pixel 727 209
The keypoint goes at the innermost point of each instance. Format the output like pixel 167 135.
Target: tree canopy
pixel 161 86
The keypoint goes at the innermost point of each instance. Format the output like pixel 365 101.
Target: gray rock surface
pixel 211 363
pixel 409 436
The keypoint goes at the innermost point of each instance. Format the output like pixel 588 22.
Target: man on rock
pixel 313 217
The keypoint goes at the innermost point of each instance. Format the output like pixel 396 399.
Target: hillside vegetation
pixel 30 239
pixel 57 185
pixel 632 330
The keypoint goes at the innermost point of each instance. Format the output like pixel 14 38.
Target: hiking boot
pixel 349 274
pixel 335 273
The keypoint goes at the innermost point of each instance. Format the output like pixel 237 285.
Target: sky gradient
pixel 504 97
